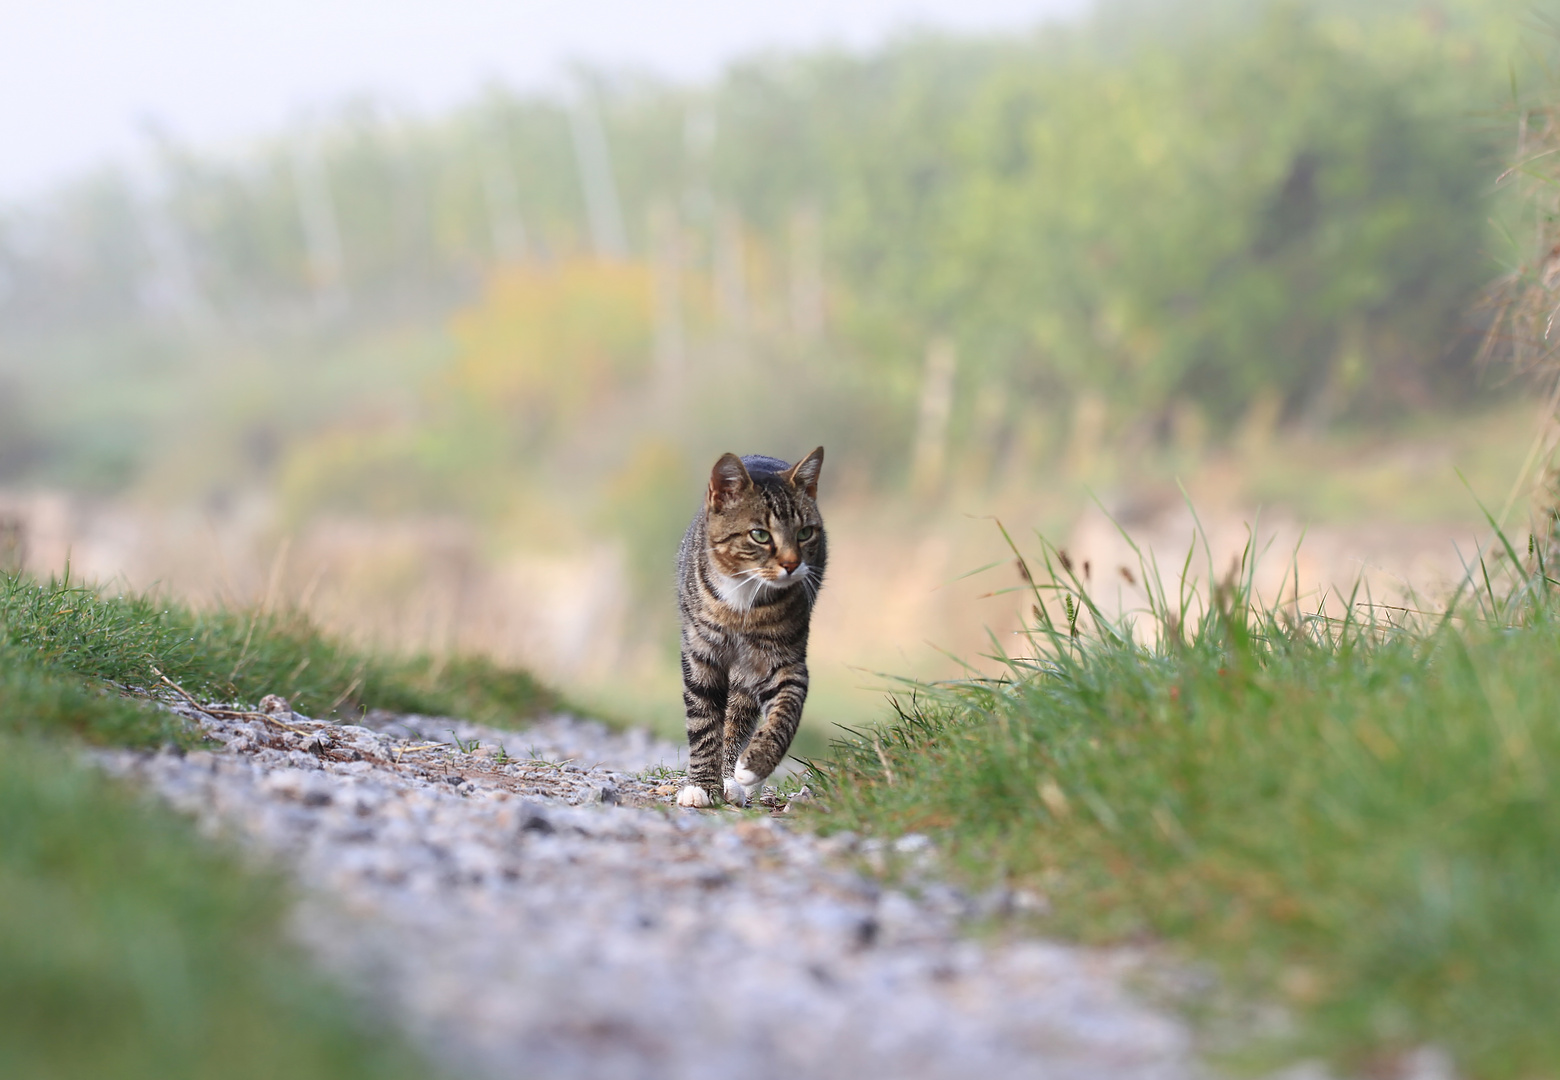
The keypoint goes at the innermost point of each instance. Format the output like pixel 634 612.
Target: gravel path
pixel 536 908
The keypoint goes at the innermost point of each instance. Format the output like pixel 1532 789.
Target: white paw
pixel 693 795
pixel 736 794
pixel 745 776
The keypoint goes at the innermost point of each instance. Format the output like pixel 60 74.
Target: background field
pixel 410 409
pixel 449 382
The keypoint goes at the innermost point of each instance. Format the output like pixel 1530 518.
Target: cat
pixel 748 573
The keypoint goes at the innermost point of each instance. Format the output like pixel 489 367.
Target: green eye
pixel 805 533
pixel 760 536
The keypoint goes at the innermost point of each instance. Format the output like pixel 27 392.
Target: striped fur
pixel 748 572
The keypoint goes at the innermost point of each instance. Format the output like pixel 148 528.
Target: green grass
pixel 1355 819
pixel 129 946
pixel 123 641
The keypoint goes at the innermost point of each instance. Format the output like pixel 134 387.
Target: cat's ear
pixel 728 480
pixel 804 474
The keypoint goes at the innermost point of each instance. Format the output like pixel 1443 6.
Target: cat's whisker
pixel 748 601
pixel 743 597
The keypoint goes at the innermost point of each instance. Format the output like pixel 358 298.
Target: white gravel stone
pixel 537 907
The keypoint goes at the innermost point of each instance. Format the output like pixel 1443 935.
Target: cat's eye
pixel 805 533
pixel 760 536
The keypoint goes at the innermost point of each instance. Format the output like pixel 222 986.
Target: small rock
pixel 275 705
pixel 901 920
pixel 800 800
pixel 712 877
pixel 533 820
pixel 1030 903
pixel 840 843
pixel 1428 1063
pixel 608 794
pixel 994 903
pixel 296 784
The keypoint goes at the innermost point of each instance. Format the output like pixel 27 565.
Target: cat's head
pixel 765 531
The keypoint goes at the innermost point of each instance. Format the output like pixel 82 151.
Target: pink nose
pixel 789 563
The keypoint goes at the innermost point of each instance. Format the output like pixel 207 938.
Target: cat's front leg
pixel 780 699
pixel 704 704
pixel 742 712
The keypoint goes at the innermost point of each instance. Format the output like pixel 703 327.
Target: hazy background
pixel 430 319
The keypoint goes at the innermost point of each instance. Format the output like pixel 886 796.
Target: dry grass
pixel 1524 329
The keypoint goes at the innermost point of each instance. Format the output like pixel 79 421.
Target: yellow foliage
pixel 551 340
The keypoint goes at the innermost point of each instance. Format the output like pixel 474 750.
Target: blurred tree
pixel 543 344
pixel 1204 220
pixel 648 503
pixel 1171 207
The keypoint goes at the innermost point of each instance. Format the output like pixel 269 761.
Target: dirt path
pixel 528 915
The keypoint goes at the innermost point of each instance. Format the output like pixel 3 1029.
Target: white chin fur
pixel 741 592
pixel 738 592
pixel 736 794
pixel 693 795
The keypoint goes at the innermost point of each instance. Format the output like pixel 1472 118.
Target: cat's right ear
pixel 728 480
pixel 804 474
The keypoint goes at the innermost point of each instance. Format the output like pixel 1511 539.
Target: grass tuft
pixel 1354 812
pixel 64 644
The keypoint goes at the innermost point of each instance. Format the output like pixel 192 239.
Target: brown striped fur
pixel 748 572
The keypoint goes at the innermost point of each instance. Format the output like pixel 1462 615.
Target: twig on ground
pixel 230 714
pixel 418 749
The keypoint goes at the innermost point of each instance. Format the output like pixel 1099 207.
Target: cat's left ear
pixel 804 474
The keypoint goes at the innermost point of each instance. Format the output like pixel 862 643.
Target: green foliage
pixel 131 641
pixel 1355 816
pixel 1241 208
pixel 650 503
pixel 1169 201
pixel 543 344
pixel 130 949
pixel 34 700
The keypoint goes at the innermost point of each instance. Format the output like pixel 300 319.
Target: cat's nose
pixel 789 562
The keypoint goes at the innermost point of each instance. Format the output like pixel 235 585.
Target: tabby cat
pixel 748 572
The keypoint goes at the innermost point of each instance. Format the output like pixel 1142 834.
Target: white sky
pixel 79 77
